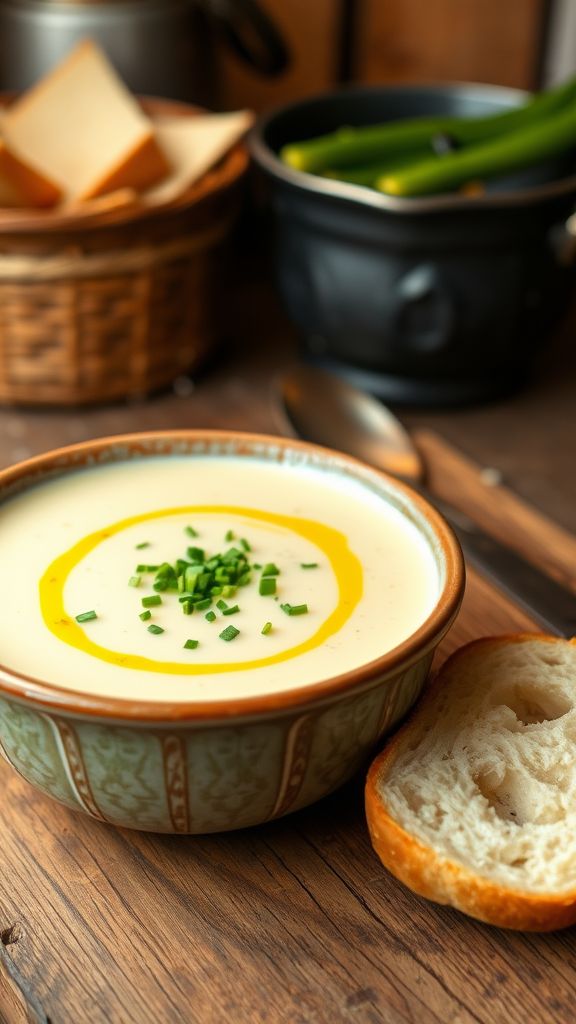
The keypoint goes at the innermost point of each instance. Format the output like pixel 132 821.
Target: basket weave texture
pixel 101 307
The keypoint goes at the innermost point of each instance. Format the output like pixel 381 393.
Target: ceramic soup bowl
pixel 314 591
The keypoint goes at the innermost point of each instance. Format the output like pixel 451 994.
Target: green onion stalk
pixel 401 139
pixel 527 146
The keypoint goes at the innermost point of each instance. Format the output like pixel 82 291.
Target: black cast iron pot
pixel 437 300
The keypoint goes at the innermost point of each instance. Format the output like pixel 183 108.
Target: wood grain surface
pixel 390 42
pixel 454 40
pixel 289 923
pixel 296 922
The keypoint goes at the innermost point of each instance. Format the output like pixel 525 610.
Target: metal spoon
pixel 322 407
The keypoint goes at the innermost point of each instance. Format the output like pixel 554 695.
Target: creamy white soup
pixel 205 578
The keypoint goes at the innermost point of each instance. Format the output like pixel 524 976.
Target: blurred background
pixel 521 43
pixel 424 333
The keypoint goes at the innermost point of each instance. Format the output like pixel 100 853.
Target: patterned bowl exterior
pixel 187 773
pixel 205 779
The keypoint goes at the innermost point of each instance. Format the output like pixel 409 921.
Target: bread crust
pixel 145 166
pixel 139 165
pixel 436 877
pixel 29 187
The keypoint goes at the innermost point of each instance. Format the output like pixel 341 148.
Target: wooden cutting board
pixel 291 923
pixel 475 490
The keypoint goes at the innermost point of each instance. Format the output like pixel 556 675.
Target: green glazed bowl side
pixel 181 778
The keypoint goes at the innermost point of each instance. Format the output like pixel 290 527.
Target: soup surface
pixel 194 578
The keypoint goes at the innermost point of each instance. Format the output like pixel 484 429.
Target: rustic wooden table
pixel 296 921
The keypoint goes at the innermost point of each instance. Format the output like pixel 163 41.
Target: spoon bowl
pixel 324 407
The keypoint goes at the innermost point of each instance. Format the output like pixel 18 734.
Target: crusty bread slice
pixel 82 126
pixel 193 145
pixel 473 802
pixel 23 186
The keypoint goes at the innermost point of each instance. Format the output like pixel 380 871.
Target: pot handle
pixel 425 314
pixel 563 241
pixel 252 34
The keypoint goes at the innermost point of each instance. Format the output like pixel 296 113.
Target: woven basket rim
pixel 230 169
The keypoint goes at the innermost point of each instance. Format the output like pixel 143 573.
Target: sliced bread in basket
pixel 473 802
pixel 82 126
pixel 22 185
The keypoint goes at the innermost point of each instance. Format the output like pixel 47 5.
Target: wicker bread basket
pixel 110 302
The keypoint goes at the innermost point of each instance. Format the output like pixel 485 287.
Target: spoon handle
pixel 552 605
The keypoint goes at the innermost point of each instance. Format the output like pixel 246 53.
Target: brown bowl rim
pixel 50 696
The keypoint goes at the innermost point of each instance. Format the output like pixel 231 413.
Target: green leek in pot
pixel 435 299
pixel 498 156
pixel 397 157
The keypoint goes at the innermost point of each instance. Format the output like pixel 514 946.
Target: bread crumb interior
pixel 489 777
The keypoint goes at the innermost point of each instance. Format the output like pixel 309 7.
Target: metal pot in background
pixel 160 47
pixel 437 300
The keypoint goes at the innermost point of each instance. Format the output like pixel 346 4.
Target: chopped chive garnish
pixel 190 578
pixel 294 609
pixel 166 570
pixel 270 569
pixel 231 555
pixel 144 544
pixel 267 586
pixel 229 633
pixel 199 579
pixel 86 616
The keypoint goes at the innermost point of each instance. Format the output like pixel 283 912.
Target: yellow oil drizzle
pixel 346 567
